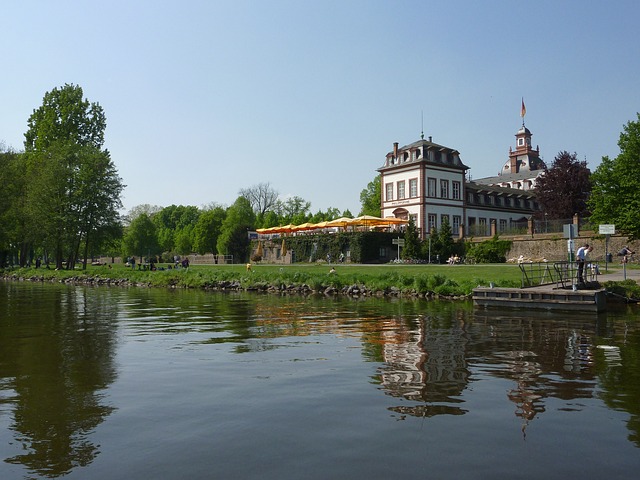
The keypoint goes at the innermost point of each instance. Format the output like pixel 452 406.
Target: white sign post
pixel 607 230
pixel 400 243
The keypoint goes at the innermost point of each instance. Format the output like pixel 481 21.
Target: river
pixel 106 383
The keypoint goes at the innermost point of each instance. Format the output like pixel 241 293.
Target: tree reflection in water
pixel 57 366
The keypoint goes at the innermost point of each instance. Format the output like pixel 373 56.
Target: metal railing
pixel 563 274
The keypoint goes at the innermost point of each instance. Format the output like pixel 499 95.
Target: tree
pixel 293 210
pixel 12 195
pixel 615 197
pixel 563 189
pixel 234 238
pixel 444 242
pixel 262 197
pixel 370 198
pixel 207 230
pixel 74 188
pixel 150 210
pixel 171 221
pixel 140 238
pixel 411 248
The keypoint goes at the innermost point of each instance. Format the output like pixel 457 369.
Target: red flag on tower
pixel 523 109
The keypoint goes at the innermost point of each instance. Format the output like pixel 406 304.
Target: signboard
pixel 570 230
pixel 398 241
pixel 607 230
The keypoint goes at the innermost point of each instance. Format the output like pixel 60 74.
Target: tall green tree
pixel 234 237
pixel 615 195
pixel 207 230
pixel 370 198
pixel 74 188
pixel 12 196
pixel 140 238
pixel 564 188
pixel 170 223
pixel 411 248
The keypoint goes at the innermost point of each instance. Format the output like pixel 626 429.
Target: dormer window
pixel 520 142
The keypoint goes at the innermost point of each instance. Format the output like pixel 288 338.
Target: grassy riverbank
pixel 458 280
pixel 389 279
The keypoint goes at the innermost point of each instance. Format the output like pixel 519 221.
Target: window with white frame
pixel 401 190
pixel 433 222
pixel 482 223
pixel 389 192
pixel 503 225
pixel 455 190
pixel 413 187
pixel 444 188
pixel 431 187
pixel 444 217
pixel 455 226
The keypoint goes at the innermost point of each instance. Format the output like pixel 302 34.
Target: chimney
pixel 395 149
pixel 430 139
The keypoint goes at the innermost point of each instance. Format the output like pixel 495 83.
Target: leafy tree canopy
pixel 564 188
pixel 615 197
pixel 65 117
pixel 370 198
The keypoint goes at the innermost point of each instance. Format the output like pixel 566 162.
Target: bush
pixel 489 251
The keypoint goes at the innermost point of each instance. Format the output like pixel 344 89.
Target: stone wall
pixel 553 247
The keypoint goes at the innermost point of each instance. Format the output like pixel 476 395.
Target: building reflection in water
pixel 431 362
pixel 426 365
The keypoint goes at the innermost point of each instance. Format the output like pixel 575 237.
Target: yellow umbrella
pixel 283 251
pixel 259 251
pixel 285 228
pixel 340 222
pixel 303 226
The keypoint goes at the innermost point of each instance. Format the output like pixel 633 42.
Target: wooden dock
pixel 542 298
pixel 560 295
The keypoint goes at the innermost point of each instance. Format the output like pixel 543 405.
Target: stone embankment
pixel 353 291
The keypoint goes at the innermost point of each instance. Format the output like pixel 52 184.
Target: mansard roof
pixel 448 157
pixel 509 177
pixel 480 187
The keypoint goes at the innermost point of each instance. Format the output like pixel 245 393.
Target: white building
pixel 427 182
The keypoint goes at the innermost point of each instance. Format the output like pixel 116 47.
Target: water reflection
pixel 426 360
pixel 54 364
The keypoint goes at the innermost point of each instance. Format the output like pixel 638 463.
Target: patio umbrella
pixel 282 229
pixel 340 222
pixel 259 251
pixel 303 226
pixel 283 250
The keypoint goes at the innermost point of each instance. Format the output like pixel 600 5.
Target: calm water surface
pixel 102 383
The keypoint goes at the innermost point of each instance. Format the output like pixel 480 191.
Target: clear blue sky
pixel 204 97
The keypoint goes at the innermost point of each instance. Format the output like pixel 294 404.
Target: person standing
pixel 581 258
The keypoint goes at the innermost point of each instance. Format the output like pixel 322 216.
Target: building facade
pixel 427 182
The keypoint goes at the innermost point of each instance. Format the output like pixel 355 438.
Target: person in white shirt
pixel 581 257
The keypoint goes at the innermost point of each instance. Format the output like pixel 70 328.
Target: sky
pixel 204 98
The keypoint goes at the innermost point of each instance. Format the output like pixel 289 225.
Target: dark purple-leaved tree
pixel 564 188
